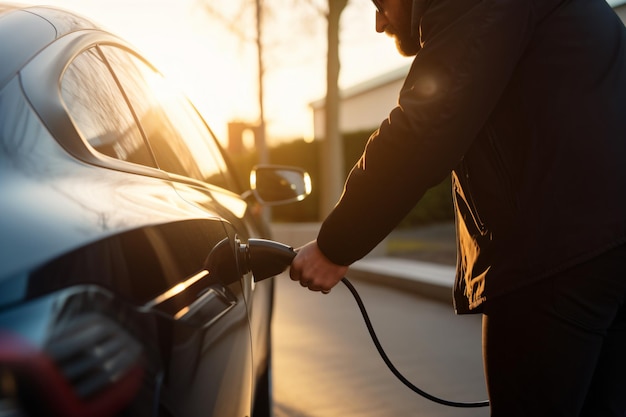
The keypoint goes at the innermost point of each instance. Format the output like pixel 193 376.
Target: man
pixel 524 102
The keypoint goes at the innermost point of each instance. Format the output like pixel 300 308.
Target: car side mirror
pixel 275 184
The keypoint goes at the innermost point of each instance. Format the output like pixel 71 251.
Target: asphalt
pixel 420 259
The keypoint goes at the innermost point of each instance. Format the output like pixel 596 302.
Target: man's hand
pixel 314 270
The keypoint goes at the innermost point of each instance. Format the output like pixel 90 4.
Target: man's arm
pixel 470 50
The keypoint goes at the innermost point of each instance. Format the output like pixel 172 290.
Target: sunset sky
pixel 219 71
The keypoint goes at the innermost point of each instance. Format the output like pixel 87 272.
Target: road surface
pixel 325 364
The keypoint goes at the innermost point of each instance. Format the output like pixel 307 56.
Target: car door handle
pixel 206 309
pixel 197 301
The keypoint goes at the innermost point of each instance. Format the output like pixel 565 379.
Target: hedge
pixel 435 206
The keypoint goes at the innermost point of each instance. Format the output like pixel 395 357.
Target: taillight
pixel 76 363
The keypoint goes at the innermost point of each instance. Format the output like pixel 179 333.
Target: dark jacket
pixel 524 101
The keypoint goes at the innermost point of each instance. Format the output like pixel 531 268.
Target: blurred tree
pixel 332 148
pixel 236 20
pixel 234 16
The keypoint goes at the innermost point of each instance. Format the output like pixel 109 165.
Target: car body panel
pixel 133 273
pixel 81 203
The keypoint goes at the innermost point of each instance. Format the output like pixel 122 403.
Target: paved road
pixel 326 366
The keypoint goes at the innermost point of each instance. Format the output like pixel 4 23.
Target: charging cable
pixel 393 369
pixel 266 258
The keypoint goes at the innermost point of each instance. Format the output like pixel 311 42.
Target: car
pixel 123 289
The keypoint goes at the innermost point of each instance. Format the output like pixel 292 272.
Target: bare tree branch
pixel 231 23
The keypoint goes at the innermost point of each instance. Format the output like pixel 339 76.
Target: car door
pixel 185 147
pixel 207 364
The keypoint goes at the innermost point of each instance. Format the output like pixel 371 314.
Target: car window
pixel 181 142
pixel 99 111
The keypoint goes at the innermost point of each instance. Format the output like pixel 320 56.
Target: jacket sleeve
pixel 469 52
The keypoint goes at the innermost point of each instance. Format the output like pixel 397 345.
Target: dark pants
pixel 558 347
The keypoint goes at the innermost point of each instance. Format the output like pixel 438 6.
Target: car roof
pixel 30 29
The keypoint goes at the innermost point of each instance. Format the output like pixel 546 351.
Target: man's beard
pixel 407 44
pixel 408 40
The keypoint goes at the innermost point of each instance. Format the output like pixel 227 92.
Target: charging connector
pixel 265 258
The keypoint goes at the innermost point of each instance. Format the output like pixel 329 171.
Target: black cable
pixel 393 369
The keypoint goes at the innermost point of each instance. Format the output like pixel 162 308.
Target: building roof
pixel 368 85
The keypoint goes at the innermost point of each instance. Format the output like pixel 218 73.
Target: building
pixel 364 105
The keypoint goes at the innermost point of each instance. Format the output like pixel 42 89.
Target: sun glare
pixel 221 89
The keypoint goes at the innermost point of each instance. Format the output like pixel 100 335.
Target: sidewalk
pixel 420 259
pixel 425 278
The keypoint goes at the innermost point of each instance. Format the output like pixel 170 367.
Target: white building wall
pixel 364 106
pixel 366 111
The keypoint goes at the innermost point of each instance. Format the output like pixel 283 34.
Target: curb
pixel 430 280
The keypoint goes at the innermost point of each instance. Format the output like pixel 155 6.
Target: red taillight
pixel 91 367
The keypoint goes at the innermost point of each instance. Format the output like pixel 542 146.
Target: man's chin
pixel 407 48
